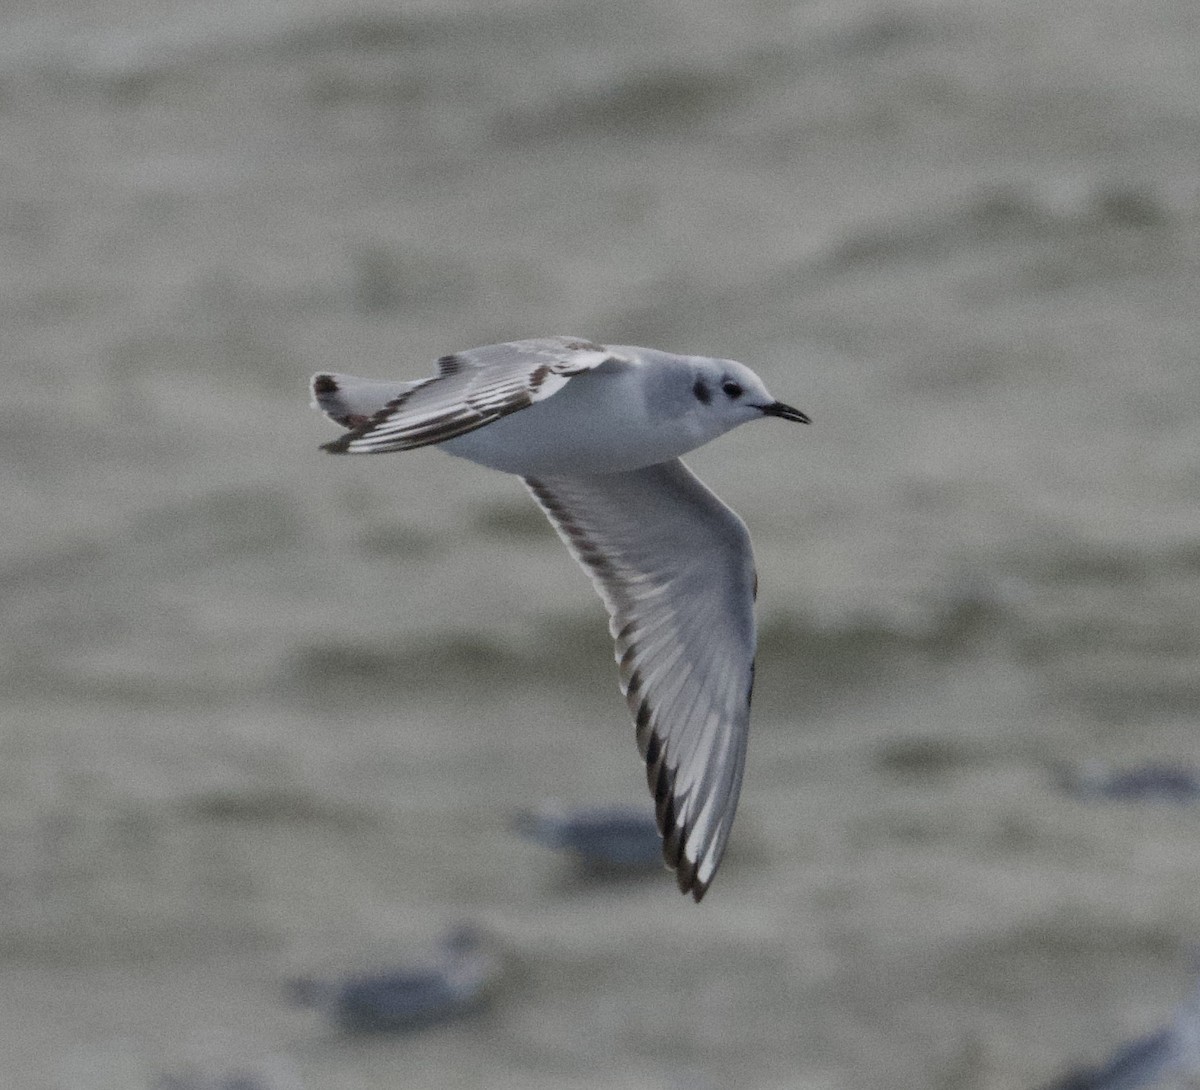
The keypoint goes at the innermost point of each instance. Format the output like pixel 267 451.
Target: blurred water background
pixel 266 711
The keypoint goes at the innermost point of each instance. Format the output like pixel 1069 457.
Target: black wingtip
pixel 340 445
pixel 687 879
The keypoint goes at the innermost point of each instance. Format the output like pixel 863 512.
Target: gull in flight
pixel 596 433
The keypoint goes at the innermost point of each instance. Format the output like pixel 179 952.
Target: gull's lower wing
pixel 674 567
pixel 471 389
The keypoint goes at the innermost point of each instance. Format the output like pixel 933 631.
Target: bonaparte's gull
pixel 1171 1053
pixel 1094 779
pixel 275 1073
pixel 618 837
pixel 596 433
pixel 397 1000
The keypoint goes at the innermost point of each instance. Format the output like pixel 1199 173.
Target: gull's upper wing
pixel 674 567
pixel 472 388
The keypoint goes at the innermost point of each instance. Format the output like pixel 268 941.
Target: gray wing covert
pixel 674 567
pixel 471 389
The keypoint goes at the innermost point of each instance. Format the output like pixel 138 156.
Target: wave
pixel 199 531
pixel 530 70
pixel 1108 563
pixel 212 528
pixel 643 100
pixel 272 806
pixel 1003 214
pixel 555 650
pixel 947 629
pixel 996 241
pixel 333 666
pixel 562 649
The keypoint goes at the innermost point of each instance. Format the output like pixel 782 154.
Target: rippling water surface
pixel 268 712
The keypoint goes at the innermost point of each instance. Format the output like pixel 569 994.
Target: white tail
pixel 351 401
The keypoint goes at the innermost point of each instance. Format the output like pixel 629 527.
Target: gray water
pixel 269 712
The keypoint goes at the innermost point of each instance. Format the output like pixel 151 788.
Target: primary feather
pixel 681 609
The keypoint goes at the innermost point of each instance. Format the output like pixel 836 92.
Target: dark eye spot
pixel 732 389
pixel 702 392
